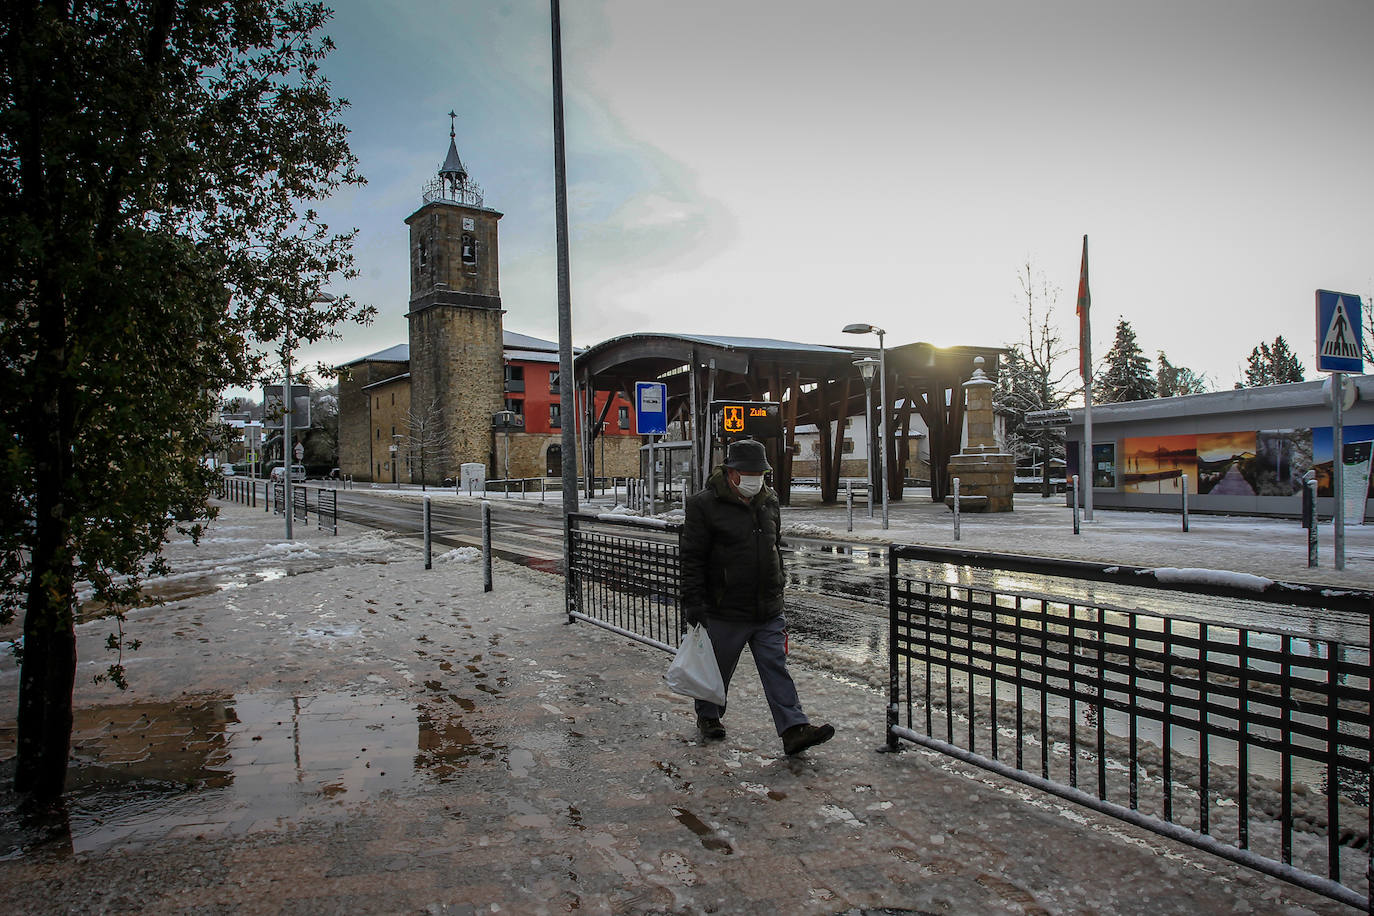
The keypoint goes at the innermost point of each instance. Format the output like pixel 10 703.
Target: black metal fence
pixel 623 574
pixel 327 510
pixel 239 490
pixel 1247 733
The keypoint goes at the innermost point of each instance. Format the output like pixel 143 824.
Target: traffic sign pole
pixel 1339 350
pixel 1338 465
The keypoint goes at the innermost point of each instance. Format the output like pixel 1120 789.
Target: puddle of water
pixel 214 765
pixel 709 838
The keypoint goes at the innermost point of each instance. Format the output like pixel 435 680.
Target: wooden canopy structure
pixel 813 383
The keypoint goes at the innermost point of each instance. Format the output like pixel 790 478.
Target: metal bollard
pixel 429 554
pixel 1309 511
pixel 1184 478
pixel 1075 505
pixel 956 508
pixel 486 546
pixel 849 504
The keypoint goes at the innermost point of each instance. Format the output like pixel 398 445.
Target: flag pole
pixel 1085 368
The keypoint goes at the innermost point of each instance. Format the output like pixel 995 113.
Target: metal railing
pixel 239 490
pixel 623 575
pixel 327 510
pixel 1247 734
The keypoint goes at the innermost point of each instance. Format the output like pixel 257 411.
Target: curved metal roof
pixel 733 354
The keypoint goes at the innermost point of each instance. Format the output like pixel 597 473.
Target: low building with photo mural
pixel 464 389
pixel 1245 451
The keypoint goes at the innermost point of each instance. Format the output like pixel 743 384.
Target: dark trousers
pixel 767 643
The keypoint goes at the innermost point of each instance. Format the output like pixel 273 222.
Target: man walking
pixel 732 581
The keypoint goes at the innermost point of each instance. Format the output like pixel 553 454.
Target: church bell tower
pixel 455 312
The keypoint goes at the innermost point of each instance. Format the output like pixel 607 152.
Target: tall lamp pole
pixel 566 395
pixel 882 412
pixel 288 406
pixel 288 451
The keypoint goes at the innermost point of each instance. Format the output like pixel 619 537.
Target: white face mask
pixel 749 486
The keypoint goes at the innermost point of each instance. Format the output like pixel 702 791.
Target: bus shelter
pixel 813 384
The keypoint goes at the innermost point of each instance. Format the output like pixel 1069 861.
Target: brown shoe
pixel 711 729
pixel 799 737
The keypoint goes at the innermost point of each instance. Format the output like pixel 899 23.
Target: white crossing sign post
pixel 1339 350
pixel 1339 332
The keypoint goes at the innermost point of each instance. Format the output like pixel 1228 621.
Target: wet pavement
pixel 358 734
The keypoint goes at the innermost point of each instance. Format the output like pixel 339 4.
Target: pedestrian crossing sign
pixel 1339 329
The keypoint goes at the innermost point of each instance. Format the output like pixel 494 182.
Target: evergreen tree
pixel 1173 381
pixel 1274 364
pixel 157 160
pixel 1125 374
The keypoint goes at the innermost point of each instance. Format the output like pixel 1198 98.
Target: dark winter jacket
pixel 731 558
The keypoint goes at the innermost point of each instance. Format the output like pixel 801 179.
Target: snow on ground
pixel 1272 548
pixel 354 616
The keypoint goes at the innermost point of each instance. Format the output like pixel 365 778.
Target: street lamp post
pixel 287 406
pixel 882 413
pixel 288 452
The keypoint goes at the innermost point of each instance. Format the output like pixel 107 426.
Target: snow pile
pixel 290 550
pixel 620 510
pixel 1195 576
pixel 804 530
pixel 460 555
pixel 630 517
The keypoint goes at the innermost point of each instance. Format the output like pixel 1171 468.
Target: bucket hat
pixel 747 456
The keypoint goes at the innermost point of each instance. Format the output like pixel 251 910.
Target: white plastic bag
pixel 694 671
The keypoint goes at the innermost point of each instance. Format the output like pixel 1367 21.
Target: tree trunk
pixel 48 673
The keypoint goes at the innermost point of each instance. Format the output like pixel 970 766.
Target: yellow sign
pixel 760 419
pixel 732 420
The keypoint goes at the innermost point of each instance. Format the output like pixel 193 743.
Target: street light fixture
pixel 882 413
pixel 867 366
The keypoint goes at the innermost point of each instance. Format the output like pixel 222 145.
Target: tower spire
pixel 453 182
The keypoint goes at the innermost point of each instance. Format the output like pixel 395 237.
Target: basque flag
pixel 1084 325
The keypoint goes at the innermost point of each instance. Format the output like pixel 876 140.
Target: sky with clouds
pixel 779 169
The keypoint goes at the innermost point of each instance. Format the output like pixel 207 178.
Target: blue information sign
pixel 1339 332
pixel 651 409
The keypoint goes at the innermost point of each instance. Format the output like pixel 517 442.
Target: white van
pixel 297 473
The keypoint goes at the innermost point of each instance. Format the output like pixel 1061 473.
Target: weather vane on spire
pixel 453 184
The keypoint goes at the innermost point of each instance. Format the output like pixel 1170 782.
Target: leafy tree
pixel 1125 374
pixel 1272 364
pixel 156 159
pixel 1033 377
pixel 1173 381
pixel 322 438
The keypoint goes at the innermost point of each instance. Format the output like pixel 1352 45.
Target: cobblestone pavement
pixel 358 734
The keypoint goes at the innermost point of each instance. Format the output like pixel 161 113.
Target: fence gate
pixel 623 574
pixel 1229 712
